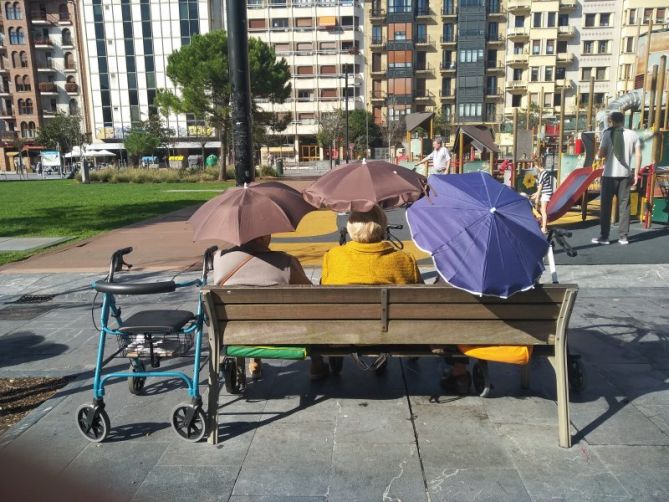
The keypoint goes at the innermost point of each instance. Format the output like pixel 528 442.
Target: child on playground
pixel 543 193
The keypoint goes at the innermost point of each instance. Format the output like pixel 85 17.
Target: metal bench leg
pixel 525 376
pixel 559 362
pixel 214 361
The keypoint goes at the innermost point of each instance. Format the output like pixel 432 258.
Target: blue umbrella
pixel 481 234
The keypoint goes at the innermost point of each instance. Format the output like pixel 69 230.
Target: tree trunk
pixel 222 175
pixel 85 178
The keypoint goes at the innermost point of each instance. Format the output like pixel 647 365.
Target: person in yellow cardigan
pixel 366 259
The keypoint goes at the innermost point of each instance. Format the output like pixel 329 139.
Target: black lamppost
pixel 354 52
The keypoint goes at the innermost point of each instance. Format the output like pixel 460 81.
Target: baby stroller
pixel 147 337
pixel 480 376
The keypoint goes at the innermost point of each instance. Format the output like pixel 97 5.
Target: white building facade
pixel 322 41
pixel 126 46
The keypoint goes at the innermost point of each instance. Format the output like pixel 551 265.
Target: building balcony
pixel 423 95
pixel 378 72
pixel 494 94
pixel 39 20
pixel 47 89
pixel 45 67
pixel 399 45
pixel 518 6
pixel 423 42
pixel 447 96
pixel 517 33
pixel 496 41
pixel 48 112
pixel 516 85
pixel 43 43
pixel 4 90
pixel 400 99
pixel 72 88
pixel 498 14
pixel 377 16
pixel 7 137
pixel 378 96
pixel 423 12
pixel 447 67
pixel 64 19
pixel 400 72
pixel 425 71
pixel 495 67
pixel 566 32
pixel 517 59
pixel 449 12
pixel 565 59
pixel 448 41
pixel 70 68
pixel 6 113
pixel 377 44
pixel 566 83
pixel 568 5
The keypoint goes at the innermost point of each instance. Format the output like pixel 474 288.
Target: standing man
pixel 622 150
pixel 441 159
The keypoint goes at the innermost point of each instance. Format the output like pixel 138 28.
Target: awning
pixel 193 144
pixel 481 139
pixel 415 120
pixel 105 146
pixel 327 21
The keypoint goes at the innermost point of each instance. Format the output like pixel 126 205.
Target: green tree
pixel 363 131
pixel 63 132
pixel 330 130
pixel 200 72
pixel 442 124
pixel 140 142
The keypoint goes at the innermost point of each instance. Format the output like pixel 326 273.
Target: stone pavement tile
pixel 117 468
pixel 658 414
pixel 641 383
pixel 272 498
pixel 187 482
pixel 369 471
pixel 373 428
pixel 522 410
pixel 299 458
pixel 551 472
pixel 470 484
pixel 641 470
pixel 231 450
pixel 596 346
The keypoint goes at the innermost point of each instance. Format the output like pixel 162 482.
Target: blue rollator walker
pixel 147 337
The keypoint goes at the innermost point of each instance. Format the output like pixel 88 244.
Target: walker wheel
pixel 336 364
pixel 93 422
pixel 575 373
pixel 189 422
pixel 481 378
pixel 136 384
pixel 231 376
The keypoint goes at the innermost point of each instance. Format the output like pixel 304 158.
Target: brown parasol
pixel 361 185
pixel 241 214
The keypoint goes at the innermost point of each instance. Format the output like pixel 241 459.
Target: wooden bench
pixel 400 320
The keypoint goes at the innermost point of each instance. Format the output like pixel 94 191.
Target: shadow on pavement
pixel 25 346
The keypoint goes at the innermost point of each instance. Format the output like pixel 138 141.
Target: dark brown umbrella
pixel 360 185
pixel 241 214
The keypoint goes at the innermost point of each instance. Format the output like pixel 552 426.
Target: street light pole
pixel 346 108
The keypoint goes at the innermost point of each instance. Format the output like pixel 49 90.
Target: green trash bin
pixel 211 161
pixel 279 167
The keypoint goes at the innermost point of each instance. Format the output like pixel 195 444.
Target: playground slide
pixel 571 191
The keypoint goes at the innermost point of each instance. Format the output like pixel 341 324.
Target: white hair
pixel 367 227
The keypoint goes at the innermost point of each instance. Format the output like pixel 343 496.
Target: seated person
pixel 366 259
pixel 254 264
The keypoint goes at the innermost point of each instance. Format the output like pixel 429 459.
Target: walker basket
pixel 163 346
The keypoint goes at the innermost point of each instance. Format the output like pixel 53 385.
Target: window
pixel 550 21
pixel 400 31
pixel 660 15
pixel 400 59
pixel 600 73
pixel 69 61
pixel 15 60
pixel 536 20
pixel 518 48
pixel 548 73
pixel 328 70
pixel 534 74
pixel 628 44
pixel 73 107
pixel 26 83
pixel 590 20
pixel 517 74
pixel 516 100
pixel 586 73
pixel 67 37
pixel 536 47
pixel 18 84
pixel 599 98
pixel 376 62
pixel 647 15
pixel 257 24
pixel 631 16
pixel 304 22
pixel 519 21
pixel 448 32
pixel 421 33
pixel 493 31
pixel 563 20
pixel 421 60
pixel 400 87
pixel 604 19
pixel 588 47
pixel 550 46
pixel 305 70
pixel 560 73
pixel 548 99
pixel 603 47
pixel 557 101
pixel 280 22
pixel 63 13
pixel 23 57
pixel 377 34
pixel 561 47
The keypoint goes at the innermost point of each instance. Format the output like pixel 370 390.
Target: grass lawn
pixel 67 208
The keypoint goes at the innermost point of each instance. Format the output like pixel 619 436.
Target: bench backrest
pixel 385 315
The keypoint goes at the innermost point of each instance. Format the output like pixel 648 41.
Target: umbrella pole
pixel 461 164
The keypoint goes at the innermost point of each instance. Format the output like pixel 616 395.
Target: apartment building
pixel 542 54
pixel 434 55
pixel 39 73
pixel 636 17
pixel 322 42
pixel 127 46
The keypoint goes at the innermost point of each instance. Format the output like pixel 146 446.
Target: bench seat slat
pixel 370 294
pixel 410 332
pixel 452 311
